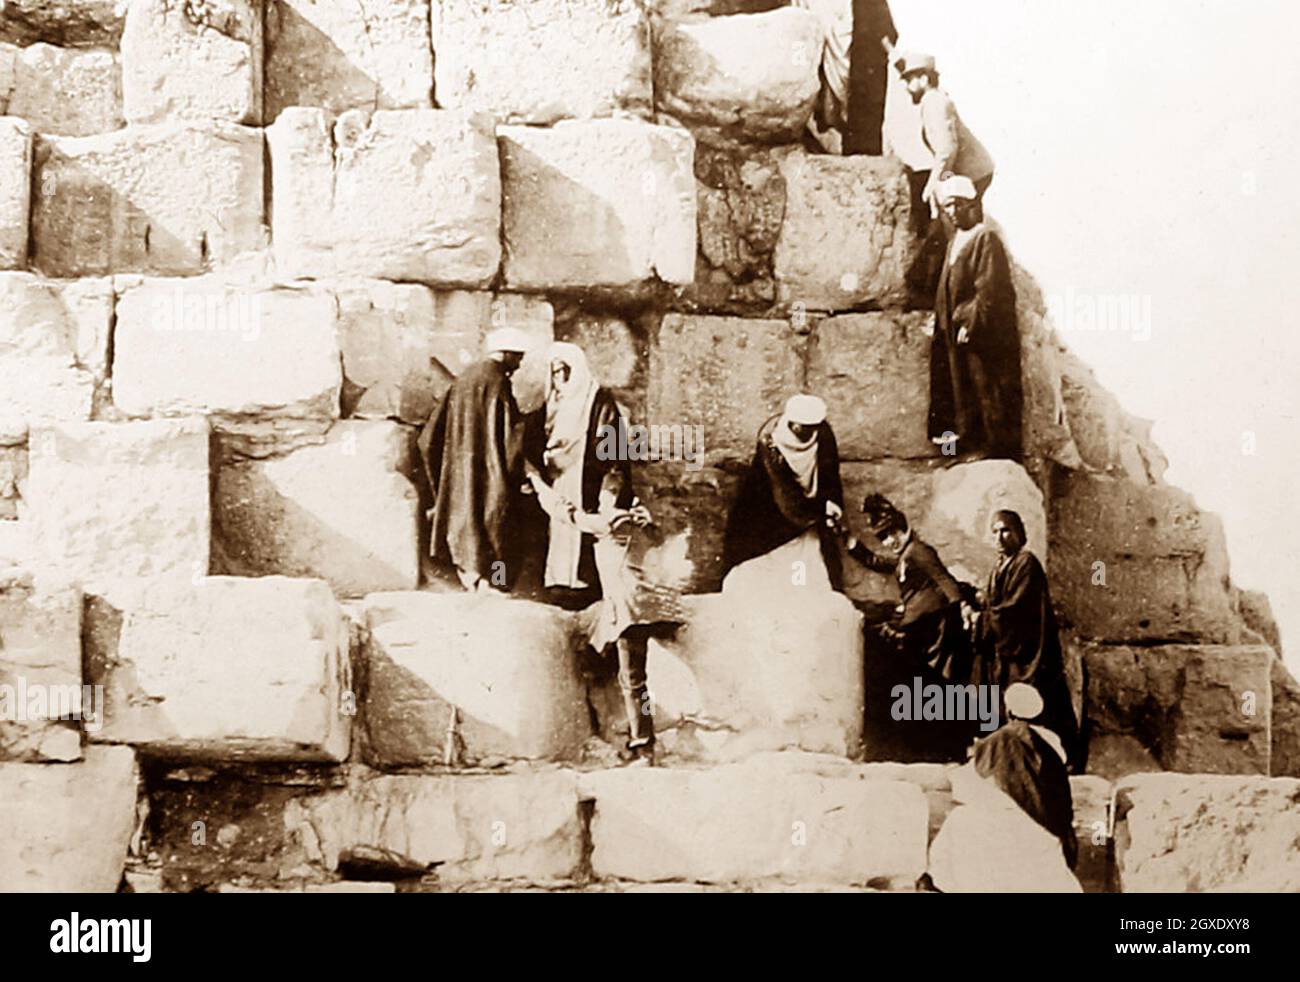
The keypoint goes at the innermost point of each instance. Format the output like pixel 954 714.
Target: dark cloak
pixel 772 509
pixel 1025 766
pixel 868 76
pixel 975 388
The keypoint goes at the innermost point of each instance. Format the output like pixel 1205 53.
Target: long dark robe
pixel 868 76
pixel 472 448
pixel 975 388
pixel 1018 636
pixel 1025 766
pixel 772 509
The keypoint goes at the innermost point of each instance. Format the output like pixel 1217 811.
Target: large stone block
pixel 200 345
pixel 83 23
pixel 15 191
pixel 743 822
pixel 846 241
pixel 506 668
pixel 368 54
pixel 1194 709
pixel 183 61
pixel 1137 563
pixel 690 508
pixel 742 676
pixel 41 699
pixel 597 203
pixel 522 826
pixel 1284 760
pixel 54 336
pixel 344 511
pixel 223 668
pixel 873 370
pixel 542 61
pixel 173 199
pixel 66 828
pixel 741 372
pixel 1199 834
pixel 749 75
pixel 13 479
pixel 61 90
pixel 116 501
pixel 401 194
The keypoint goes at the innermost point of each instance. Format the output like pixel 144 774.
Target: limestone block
pixel 742 822
pixel 65 828
pixel 185 62
pixel 172 199
pixel 1200 833
pixel 741 372
pixel 13 479
pixel 1091 797
pixel 199 345
pixel 745 676
pixel 225 668
pixel 749 75
pixel 1284 760
pixel 114 501
pixel 998 850
pixel 1135 563
pixel 401 194
pixel 54 338
pixel 690 507
pixel 542 61
pixel 61 90
pixel 1046 431
pixel 520 826
pixel 83 23
pixel 873 370
pixel 344 511
pixel 368 54
pixel 15 190
pixel 506 667
pixel 41 699
pixel 597 203
pixel 1195 709
pixel 846 240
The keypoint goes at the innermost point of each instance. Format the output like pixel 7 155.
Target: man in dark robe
pixel 868 76
pixel 1016 632
pixel 975 388
pixel 473 453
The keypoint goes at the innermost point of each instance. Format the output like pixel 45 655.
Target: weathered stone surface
pixel 873 370
pixel 172 199
pixel 61 90
pixel 182 62
pixel 1133 563
pixel 521 826
pixel 1108 439
pixel 368 54
pixel 401 194
pixel 227 668
pixel 344 511
pixel 505 667
pixel 740 677
pixel 1199 833
pixel 1091 797
pixel 41 699
pixel 1198 710
pixel 93 23
pixel 1046 433
pixel 741 372
pixel 1284 760
pixel 846 241
pixel 114 501
pixel 13 478
pixel 199 345
pixel 597 203
pixel 542 61
pixel 748 821
pixel 690 508
pixel 15 191
pixel 748 75
pixel 65 828
pixel 53 346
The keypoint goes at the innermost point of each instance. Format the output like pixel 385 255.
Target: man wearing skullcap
pixel 472 449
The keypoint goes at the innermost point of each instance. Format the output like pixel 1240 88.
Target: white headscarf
pixel 568 417
pixel 801 455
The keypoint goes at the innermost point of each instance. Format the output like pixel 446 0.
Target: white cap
pixel 508 339
pixel 957 186
pixel 914 61
pixel 1023 701
pixel 806 410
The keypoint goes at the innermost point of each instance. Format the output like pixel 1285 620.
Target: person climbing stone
pixel 472 449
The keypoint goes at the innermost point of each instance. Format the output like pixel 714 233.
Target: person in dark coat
pixel 868 76
pixel 472 448
pixel 975 387
pixel 790 503
pixel 1016 632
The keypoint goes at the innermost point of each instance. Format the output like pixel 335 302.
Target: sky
pixel 1145 150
